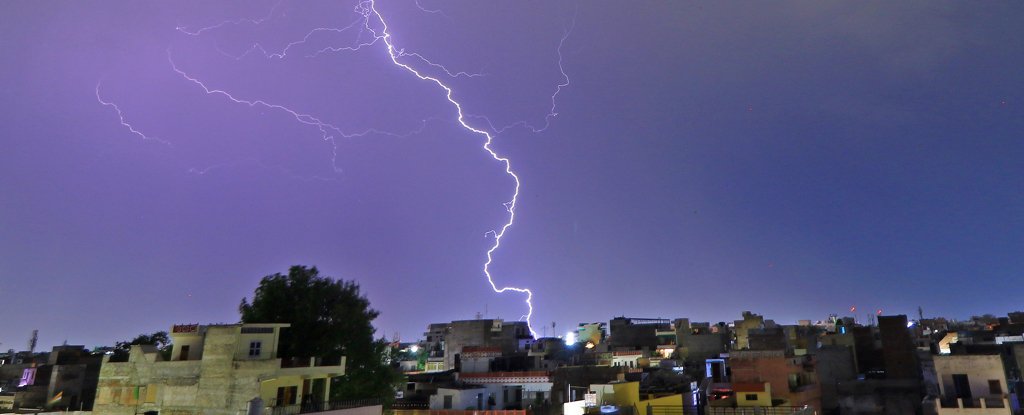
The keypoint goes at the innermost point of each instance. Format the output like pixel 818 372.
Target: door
pixel 962 386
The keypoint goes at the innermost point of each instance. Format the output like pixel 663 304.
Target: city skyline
pixel 698 160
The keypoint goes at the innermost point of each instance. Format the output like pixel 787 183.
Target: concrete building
pixel 503 390
pixel 215 369
pixel 742 329
pixel 699 341
pixel 483 332
pixel 434 345
pixel 66 379
pixel 636 333
pixel 899 353
pixel 793 379
pixel 973 382
pixel 478 359
pixel 464 397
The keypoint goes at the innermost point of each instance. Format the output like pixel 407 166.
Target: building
pixel 495 390
pixel 636 333
pixel 699 341
pixel 972 381
pixel 899 353
pixel 484 332
pixel 792 379
pixel 216 369
pixel 66 379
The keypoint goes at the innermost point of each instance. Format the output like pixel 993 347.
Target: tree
pixel 329 319
pixel 158 339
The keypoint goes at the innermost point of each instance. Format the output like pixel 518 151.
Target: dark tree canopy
pixel 159 339
pixel 329 319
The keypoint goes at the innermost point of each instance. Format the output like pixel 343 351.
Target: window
pixel 257 330
pixel 286 395
pixel 254 349
pixel 994 387
pixel 750 397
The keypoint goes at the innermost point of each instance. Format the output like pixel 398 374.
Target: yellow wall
pixel 626 393
pixel 673 400
pixel 268 388
pixel 763 398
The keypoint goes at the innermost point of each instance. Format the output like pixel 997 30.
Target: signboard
pixel 185 328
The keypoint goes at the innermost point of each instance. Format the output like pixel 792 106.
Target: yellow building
pixel 216 369
pixel 753 394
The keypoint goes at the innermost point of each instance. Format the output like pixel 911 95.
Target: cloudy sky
pixel 789 158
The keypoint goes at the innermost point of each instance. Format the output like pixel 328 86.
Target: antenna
pixel 32 342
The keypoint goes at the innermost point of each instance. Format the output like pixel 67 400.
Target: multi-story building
pixel 974 382
pixel 483 332
pixel 66 379
pixel 792 379
pixel 216 369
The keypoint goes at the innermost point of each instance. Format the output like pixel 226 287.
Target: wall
pixel 979 370
pixel 461 398
pixel 217 384
pixel 366 410
pixel 574 408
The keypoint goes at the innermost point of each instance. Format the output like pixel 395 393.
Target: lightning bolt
pixel 395 53
pixel 259 21
pixel 552 113
pixel 125 123
pixel 376 26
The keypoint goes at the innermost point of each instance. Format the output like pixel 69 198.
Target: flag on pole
pixel 55 399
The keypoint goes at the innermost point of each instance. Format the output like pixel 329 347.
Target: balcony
pixel 991 405
pixel 314 407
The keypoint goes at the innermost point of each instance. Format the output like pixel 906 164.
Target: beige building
pixel 971 384
pixel 216 369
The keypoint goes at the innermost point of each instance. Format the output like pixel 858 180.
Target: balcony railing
pixel 292 362
pixel 313 407
pixel 994 402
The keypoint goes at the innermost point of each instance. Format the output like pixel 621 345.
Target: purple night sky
pixel 790 158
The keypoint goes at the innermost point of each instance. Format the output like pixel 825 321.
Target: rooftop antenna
pixel 32 342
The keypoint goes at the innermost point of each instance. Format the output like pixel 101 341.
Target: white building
pixel 495 390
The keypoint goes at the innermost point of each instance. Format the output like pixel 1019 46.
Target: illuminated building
pixel 215 369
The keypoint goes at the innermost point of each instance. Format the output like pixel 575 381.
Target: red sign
pixel 185 328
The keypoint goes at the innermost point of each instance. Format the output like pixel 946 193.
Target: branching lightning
pixel 374 30
pixel 120 115
pixel 200 31
pixel 327 130
pixel 395 53
pixel 552 113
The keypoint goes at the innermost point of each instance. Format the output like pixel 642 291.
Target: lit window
pixel 254 348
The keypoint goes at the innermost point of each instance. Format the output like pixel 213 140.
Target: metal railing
pixel 313 407
pixel 760 410
pixel 714 410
